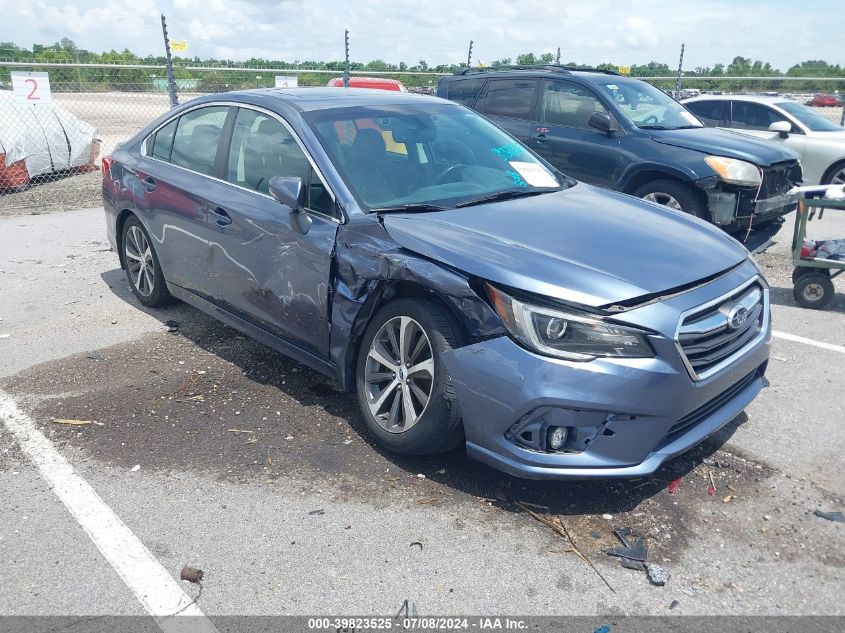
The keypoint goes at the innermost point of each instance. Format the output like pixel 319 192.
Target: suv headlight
pixel 734 171
pixel 567 334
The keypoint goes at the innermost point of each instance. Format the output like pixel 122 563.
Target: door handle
pixel 541 138
pixel 149 184
pixel 222 218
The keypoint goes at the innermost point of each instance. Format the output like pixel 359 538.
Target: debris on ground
pixel 657 575
pixel 240 431
pixel 674 485
pixel 319 511
pixel 838 517
pixel 426 502
pixel 191 575
pixel 729 498
pixel 711 490
pixel 630 550
pixel 675 604
pixel 135 468
pixel 420 476
pixel 72 422
pixel 417 544
pixel 172 326
pixel 561 530
pixel 96 356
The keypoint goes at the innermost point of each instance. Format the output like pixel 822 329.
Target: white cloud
pixel 618 31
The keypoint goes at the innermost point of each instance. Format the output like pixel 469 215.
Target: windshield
pixel 434 154
pixel 648 107
pixel 813 121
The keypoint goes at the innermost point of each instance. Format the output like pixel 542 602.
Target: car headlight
pixel 567 334
pixel 734 171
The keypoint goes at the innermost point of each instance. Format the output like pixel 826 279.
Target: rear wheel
pixel 404 390
pixel 142 268
pixel 674 195
pixel 814 290
pixel 806 270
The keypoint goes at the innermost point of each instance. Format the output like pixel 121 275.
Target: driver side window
pixel 569 105
pixel 263 148
pixel 753 116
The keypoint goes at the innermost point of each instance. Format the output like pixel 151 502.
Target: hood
pixel 832 137
pixel 584 245
pixel 724 143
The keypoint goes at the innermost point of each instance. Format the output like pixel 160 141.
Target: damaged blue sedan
pixel 465 290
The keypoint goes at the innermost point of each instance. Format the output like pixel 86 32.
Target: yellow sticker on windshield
pixel 535 174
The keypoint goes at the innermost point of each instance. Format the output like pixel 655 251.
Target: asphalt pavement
pixel 215 452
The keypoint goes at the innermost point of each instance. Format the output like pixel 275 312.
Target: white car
pixel 818 141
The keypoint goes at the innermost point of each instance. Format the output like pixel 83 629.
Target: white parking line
pixel 808 341
pixel 156 590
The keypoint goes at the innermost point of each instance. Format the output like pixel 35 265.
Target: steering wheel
pixel 452 169
pixel 650 120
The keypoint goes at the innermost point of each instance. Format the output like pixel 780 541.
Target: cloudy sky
pixel 588 31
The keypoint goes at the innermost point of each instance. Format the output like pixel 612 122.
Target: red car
pixel 369 82
pixel 824 101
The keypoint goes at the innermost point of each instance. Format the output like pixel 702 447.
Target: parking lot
pixel 212 451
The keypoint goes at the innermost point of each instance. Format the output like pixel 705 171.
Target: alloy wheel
pixel 838 177
pixel 665 199
pixel 399 374
pixel 139 261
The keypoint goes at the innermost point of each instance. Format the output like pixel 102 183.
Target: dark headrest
pixel 269 126
pixel 369 142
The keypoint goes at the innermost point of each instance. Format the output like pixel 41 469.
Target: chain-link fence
pixel 50 153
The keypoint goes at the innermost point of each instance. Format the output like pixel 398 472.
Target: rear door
pixel 563 136
pixel 265 271
pixel 176 182
pixel 510 103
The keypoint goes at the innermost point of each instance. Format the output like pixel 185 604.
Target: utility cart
pixel 816 262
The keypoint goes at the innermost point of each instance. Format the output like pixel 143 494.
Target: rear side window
pixel 164 141
pixel 196 139
pixel 708 112
pixel 513 98
pixel 464 91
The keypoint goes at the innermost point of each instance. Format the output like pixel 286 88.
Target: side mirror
pixel 601 122
pixel 783 128
pixel 289 191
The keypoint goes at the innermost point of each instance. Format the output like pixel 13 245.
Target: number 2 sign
pixel 32 88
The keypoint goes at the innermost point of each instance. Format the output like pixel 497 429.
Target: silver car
pixel 818 141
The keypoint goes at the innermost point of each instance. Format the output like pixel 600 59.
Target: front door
pixel 754 119
pixel 564 137
pixel 264 270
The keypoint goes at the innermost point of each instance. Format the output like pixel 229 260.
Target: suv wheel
pixel 142 268
pixel 674 195
pixel 404 390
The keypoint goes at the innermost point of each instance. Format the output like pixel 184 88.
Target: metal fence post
pixel 680 71
pixel 171 82
pixel 469 55
pixel 557 59
pixel 346 57
pixel 842 118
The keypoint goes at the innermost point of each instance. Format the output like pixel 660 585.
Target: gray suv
pixel 468 293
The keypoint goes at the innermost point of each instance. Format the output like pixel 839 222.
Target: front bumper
pixel 640 412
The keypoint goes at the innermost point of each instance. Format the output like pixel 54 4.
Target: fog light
pixel 556 437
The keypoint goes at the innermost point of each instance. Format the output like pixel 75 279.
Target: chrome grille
pixel 714 335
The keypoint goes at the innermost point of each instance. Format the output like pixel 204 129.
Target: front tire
pixel 674 195
pixel 404 390
pixel 835 175
pixel 141 263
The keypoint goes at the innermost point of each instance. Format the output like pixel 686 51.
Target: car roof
pixel 753 98
pixel 307 99
pixel 556 72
